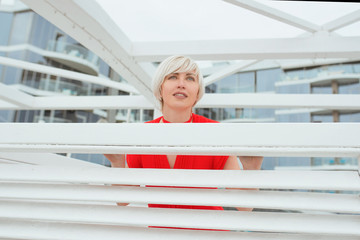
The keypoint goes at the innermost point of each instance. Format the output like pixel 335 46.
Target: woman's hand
pixel 116 160
pixel 251 163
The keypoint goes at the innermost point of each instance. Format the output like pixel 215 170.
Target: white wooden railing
pixel 50 201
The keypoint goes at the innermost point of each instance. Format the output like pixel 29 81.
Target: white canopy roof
pixel 130 34
pixel 163 20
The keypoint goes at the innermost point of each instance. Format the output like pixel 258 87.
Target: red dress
pixel 181 162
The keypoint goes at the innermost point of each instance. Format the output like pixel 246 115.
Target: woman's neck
pixel 176 116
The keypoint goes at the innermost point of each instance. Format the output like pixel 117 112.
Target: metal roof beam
pixel 342 21
pixel 227 71
pixel 276 14
pixel 318 46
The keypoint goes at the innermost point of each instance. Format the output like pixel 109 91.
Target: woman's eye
pixel 172 77
pixel 191 78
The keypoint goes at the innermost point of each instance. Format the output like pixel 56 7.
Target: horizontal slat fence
pixel 79 201
pixel 252 139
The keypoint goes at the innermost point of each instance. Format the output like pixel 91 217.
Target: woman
pixel 178 85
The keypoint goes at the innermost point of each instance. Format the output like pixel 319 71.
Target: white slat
pixel 316 180
pixel 35 230
pixel 346 203
pixel 142 217
pixel 210 150
pixel 271 139
pixel 263 100
pixel 242 100
pixel 177 134
pixel 45 159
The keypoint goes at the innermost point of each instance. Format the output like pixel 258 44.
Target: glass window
pixel 349 89
pixel 351 117
pixel 321 118
pixel 246 82
pixel 293 88
pixel 6 115
pixel 347 68
pixel 265 79
pixel 356 68
pixel 1 67
pixel 298 117
pixel 5 20
pixel 212 88
pixel 322 90
pixel 311 73
pixel 336 69
pixel 12 75
pixel 228 84
pixel 295 74
pixel 21 28
pixel 264 113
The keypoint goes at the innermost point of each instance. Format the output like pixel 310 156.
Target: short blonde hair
pixel 175 64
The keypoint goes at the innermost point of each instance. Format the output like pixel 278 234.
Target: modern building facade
pixel 28 37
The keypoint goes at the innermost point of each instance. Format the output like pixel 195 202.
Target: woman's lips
pixel 180 95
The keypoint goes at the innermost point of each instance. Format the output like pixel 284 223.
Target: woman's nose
pixel 181 82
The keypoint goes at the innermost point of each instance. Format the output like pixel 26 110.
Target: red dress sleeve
pixel 219 162
pixel 134 161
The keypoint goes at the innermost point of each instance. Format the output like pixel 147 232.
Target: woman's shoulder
pixel 202 119
pixel 156 120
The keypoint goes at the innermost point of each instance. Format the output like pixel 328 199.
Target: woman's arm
pixel 249 163
pixel 116 160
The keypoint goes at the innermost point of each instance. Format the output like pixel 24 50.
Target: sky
pixel 171 20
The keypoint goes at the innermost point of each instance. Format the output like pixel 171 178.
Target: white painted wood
pixel 46 159
pixel 75 231
pixel 301 135
pixel 66 74
pixel 142 217
pixel 241 100
pixel 342 21
pixel 324 79
pixel 276 14
pixel 263 100
pixel 5 105
pixel 300 201
pixel 318 46
pixel 213 150
pixel 227 71
pixel 14 96
pixel 315 180
pixel 271 139
pixel 93 102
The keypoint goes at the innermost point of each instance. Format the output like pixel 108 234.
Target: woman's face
pixel 180 90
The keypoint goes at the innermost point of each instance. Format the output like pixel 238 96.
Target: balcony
pixel 73 56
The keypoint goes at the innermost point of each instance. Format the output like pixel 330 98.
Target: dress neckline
pixel 162 119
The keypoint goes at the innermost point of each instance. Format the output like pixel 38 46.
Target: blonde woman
pixel 178 85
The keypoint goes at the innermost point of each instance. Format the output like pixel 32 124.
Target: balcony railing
pixel 87 61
